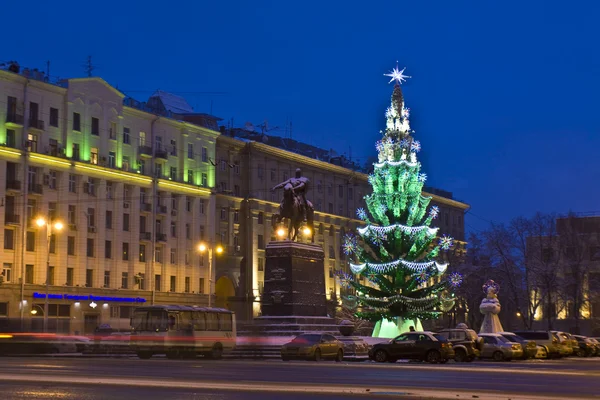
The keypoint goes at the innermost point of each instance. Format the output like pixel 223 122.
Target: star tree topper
pixel 397 75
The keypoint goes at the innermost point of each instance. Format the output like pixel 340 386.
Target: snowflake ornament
pixel 361 214
pixel 423 276
pixel 372 179
pixel 344 279
pixel 405 112
pixel 404 143
pixel 455 279
pixel 383 208
pixel 434 212
pixel 446 242
pixel 389 113
pixel 379 146
pixel 350 244
pixel 422 177
pixel 415 146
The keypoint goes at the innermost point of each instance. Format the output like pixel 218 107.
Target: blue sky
pixel 503 95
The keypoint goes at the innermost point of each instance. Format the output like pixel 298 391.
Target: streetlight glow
pixel 306 231
pixel 219 249
pixel 58 225
pixel 202 247
pixel 33 312
pixel 281 232
pixel 40 222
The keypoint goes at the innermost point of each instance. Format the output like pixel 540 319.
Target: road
pixel 159 378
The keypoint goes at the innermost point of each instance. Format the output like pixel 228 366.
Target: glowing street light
pixel 219 249
pixel 202 247
pixel 281 232
pixel 306 231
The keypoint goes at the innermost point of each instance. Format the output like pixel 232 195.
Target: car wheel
pixel 580 353
pixel 144 355
pixel 498 356
pixel 216 353
pixel 460 356
pixel 317 356
pixel 543 353
pixel 433 356
pixel 339 356
pixel 381 356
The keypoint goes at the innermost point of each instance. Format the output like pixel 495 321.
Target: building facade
pixel 131 187
pixel 248 166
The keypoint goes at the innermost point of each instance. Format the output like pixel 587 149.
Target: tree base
pixel 386 328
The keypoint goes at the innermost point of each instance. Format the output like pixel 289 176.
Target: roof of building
pixel 173 103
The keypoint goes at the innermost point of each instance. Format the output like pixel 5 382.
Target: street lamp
pixel 202 247
pixel 40 222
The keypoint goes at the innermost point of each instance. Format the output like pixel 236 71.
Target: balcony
pixel 146 236
pixel 35 189
pixel 14 118
pixel 161 209
pixel 161 237
pixel 13 185
pixel 11 219
pixel 145 151
pixel 36 124
pixel 161 154
pixel 146 207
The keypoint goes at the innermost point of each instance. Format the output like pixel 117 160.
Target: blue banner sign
pixel 90 297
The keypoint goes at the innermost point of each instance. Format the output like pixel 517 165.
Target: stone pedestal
pixel 294 282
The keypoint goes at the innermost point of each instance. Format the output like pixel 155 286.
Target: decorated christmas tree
pixel 397 279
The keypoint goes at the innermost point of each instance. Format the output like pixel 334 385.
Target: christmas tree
pixel 394 255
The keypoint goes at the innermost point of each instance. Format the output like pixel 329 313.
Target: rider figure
pixel 299 187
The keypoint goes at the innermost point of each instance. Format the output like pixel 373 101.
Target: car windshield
pixel 513 338
pixel 503 339
pixel 439 337
pixel 307 339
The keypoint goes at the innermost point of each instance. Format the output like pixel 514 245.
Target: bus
pixel 182 331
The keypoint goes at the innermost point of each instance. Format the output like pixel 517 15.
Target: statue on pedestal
pixel 294 206
pixel 490 307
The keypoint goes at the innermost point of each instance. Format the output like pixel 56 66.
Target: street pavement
pixel 129 377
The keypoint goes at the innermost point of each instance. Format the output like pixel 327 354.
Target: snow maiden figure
pixel 490 307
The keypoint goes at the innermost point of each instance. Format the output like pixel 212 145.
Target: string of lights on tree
pixel 394 254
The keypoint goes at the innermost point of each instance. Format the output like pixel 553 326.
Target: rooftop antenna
pixel 89 67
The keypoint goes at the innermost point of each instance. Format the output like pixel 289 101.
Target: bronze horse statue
pixel 291 209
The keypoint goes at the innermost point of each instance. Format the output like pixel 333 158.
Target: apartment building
pixel 248 165
pixel 131 183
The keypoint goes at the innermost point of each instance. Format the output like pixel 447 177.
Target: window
pixel 52 244
pixel 172 283
pixel 223 214
pixel 124 280
pixel 223 165
pixel 201 201
pixel 204 182
pixel 261 264
pixel 72 214
pixel 190 151
pixel 70 273
pixel 91 216
pixel 188 232
pixel 188 204
pixel 236 216
pixel 126 222
pixel 76 154
pixel 201 232
pixel 187 257
pixel 7 272
pixel 285 175
pixel 261 217
pixel 89 277
pixel 157 283
pixel 106 279
pixel 260 171
pixel 9 239
pixel 108 219
pixel 142 253
pixel 77 122
pixel 261 242
pixel 201 286
pixel 71 245
pixel 236 167
pixel 72 183
pixel 190 176
pixel 273 174
pixel 187 284
pixel 331 252
pixel 126 163
pixel 125 250
pixel 158 170
pixel 173 173
pixel 126 134
pixel 52 179
pixel 10 138
pixel 341 191
pixel 112 130
pixel 158 254
pixel 90 247
pixel 350 194
pixel 173 256
pixel 173 229
pixel 204 154
pixel 95 126
pixel 142 138
pixel 107 249
pixel 50 275
pixel 54 117
pixel 29 273
pixel 173 147
pixel 30 242
pixel 112 157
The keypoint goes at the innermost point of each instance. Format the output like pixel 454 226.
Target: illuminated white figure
pixel 490 308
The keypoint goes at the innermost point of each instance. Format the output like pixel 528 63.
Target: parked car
pixel 565 346
pixel 597 343
pixel 543 338
pixel 424 346
pixel 465 342
pixel 313 346
pixel 499 348
pixel 530 347
pixel 586 346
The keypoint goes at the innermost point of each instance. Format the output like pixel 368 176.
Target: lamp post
pixel 202 247
pixel 58 226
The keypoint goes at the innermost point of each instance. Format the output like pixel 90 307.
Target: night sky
pixel 503 95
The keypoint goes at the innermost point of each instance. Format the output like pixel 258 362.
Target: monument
pixel 490 308
pixel 293 299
